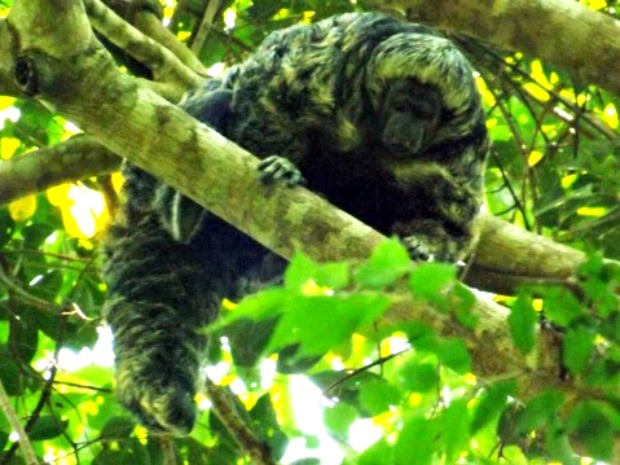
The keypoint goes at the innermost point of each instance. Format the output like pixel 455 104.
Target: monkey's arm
pixel 180 215
pixel 437 221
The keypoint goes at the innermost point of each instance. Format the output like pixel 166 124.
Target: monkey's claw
pixel 278 169
pixel 418 251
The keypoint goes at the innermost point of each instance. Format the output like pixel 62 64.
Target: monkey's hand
pixel 278 169
pixel 428 240
pixel 418 250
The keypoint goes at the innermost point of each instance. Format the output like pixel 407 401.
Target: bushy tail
pixel 156 306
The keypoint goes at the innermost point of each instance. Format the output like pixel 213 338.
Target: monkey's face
pixel 408 117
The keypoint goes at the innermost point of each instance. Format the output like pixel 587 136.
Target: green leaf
pixel 47 427
pixel 302 269
pixel 117 428
pixel 299 271
pixel 577 348
pixel 453 354
pixel 455 429
pixel 539 411
pixel 430 281
pixel 347 389
pixel 24 336
pixel 558 445
pixel 380 453
pixel 388 263
pixel 514 456
pixel 591 426
pixel 258 307
pixel 319 323
pixel 248 340
pixel 338 419
pixel 522 321
pixel 377 396
pixel 4 439
pixel 463 300
pixel 416 443
pixel 492 402
pixel 7 226
pixel 266 426
pixel 10 374
pixel 562 307
pixel 333 275
pixel 420 377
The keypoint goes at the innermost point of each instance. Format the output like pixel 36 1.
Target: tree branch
pixel 205 25
pixel 151 25
pixel 166 67
pixel 507 256
pixel 78 158
pixel 562 32
pixel 5 406
pixel 224 407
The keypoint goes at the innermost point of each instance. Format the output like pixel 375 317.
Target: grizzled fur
pixel 379 116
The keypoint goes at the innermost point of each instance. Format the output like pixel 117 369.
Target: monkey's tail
pixel 156 307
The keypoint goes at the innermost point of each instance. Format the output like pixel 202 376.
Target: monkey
pixel 379 116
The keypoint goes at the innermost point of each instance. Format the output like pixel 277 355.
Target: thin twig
pixel 205 25
pixel 224 408
pixel 5 405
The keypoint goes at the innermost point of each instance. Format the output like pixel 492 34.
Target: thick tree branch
pixel 7 58
pixel 146 15
pixel 507 256
pixel 151 25
pixel 562 32
pixel 165 66
pixel 78 158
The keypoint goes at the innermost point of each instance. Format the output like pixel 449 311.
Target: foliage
pixel 388 395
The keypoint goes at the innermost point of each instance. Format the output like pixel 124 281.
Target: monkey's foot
pixel 278 169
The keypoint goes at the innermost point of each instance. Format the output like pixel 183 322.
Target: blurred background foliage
pixel 370 399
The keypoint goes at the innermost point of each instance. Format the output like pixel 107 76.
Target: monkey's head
pixel 409 117
pixel 421 92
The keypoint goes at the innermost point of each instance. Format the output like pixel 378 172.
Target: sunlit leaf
pixel 388 262
pixel 522 322
pixel 338 419
pixel 610 115
pixel 577 348
pixel 8 146
pixel 416 442
pixel 319 323
pixel 539 411
pixel 23 209
pixel 377 396
pixel 455 427
pixel 491 403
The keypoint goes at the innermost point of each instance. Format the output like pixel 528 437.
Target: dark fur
pixel 379 116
